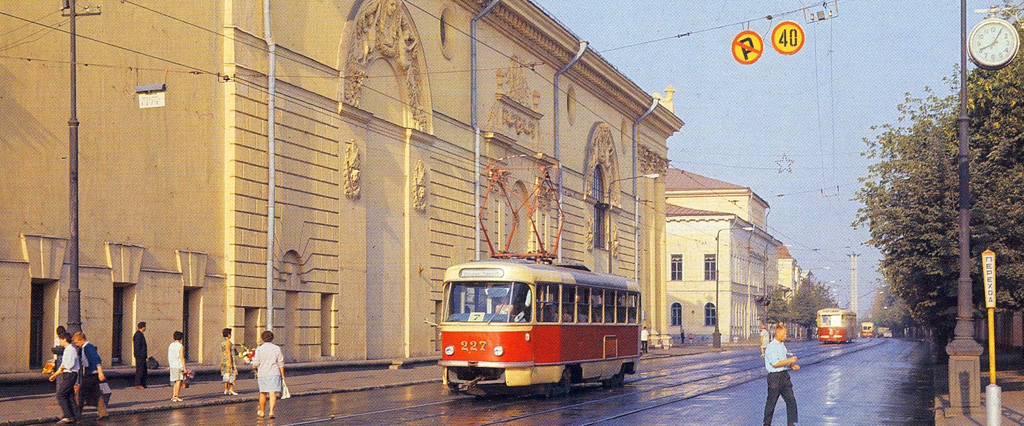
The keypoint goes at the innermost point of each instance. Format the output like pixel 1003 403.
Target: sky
pixel 791 128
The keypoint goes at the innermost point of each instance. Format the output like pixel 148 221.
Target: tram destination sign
pixel 988 263
pixel 482 273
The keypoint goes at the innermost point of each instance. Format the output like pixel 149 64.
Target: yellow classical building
pixel 722 264
pixel 379 119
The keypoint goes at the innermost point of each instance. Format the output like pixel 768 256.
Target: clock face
pixel 993 43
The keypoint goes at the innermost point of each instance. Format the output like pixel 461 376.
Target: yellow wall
pixel 179 193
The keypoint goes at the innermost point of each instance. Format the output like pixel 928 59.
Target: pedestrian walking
pixel 176 364
pixel 140 351
pixel 269 364
pixel 682 336
pixel 66 376
pixel 777 364
pixel 644 337
pixel 228 370
pixel 91 375
pixel 765 339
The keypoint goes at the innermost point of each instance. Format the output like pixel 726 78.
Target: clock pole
pixel 963 351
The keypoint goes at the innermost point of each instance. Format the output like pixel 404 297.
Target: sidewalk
pixel 1009 377
pixel 31 406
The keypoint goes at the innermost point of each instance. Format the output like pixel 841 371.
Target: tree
pixel 800 307
pixel 910 195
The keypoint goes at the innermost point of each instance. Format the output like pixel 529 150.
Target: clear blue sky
pixel 814 107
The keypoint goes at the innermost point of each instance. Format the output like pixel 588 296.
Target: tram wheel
pixel 615 381
pixel 563 386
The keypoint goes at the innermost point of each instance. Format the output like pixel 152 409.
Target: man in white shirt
pixel 176 363
pixel 765 339
pixel 66 376
pixel 269 364
pixel 644 337
pixel 776 363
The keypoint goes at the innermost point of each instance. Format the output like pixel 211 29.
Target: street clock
pixel 993 43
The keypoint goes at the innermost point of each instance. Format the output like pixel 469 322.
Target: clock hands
pixel 994 40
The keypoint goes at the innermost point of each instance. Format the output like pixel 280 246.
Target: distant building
pixel 716 239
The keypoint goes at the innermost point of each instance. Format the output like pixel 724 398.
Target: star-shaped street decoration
pixel 785 164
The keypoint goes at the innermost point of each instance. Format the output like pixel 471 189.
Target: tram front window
pixel 489 302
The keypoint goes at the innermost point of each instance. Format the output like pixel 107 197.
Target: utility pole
pixel 853 282
pixel 74 292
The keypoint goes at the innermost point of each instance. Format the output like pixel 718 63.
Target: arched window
pixel 677 313
pixel 600 207
pixel 710 314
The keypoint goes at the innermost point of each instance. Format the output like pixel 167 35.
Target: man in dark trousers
pixel 141 353
pixel 777 364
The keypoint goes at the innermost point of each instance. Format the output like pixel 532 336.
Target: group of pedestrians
pixel 80 372
pixel 78 377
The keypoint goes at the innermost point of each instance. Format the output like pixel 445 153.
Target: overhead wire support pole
pixel 636 197
pixel 74 290
pixel 271 163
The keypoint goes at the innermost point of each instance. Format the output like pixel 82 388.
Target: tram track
pixel 710 374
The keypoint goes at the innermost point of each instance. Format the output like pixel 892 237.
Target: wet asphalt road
pixel 868 382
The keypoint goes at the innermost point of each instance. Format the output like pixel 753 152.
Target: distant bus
pixel 836 325
pixel 867 329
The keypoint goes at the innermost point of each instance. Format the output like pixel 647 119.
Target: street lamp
pixel 717 336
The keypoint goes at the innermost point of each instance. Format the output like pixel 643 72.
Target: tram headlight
pixel 449 350
pixel 499 351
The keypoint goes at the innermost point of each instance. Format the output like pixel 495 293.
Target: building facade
pixel 379 148
pixel 722 263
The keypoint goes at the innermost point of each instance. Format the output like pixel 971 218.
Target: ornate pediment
pixel 516 108
pixel 384 29
pixel 125 262
pixel 601 150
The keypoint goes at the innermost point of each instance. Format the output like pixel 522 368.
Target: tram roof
pixel 834 311
pixel 528 271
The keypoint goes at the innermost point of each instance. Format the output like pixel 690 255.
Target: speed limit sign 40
pixel 787 37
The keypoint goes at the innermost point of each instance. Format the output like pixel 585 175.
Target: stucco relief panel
pixel 384 29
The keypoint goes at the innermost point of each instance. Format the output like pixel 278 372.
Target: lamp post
pixel 964 368
pixel 717 335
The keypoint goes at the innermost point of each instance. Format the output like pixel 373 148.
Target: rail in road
pixel 660 383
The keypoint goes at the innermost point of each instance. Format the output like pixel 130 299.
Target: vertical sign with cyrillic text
pixel 988 263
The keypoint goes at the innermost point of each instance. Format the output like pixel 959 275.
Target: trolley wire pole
pixel 74 291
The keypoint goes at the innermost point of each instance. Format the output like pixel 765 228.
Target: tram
pixel 867 329
pixel 836 325
pixel 516 326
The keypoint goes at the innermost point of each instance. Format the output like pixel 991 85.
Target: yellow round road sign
pixel 787 37
pixel 747 47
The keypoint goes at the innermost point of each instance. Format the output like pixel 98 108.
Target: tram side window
pixel 609 307
pixel 568 303
pixel 583 305
pixel 596 306
pixel 620 307
pixel 631 302
pixel 547 302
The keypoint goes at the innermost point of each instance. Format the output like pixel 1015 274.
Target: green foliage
pixel 910 195
pixel 800 307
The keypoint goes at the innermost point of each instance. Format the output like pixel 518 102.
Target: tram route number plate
pixel 988 262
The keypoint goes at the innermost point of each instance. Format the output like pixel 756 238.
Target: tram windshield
pixel 831 321
pixel 489 302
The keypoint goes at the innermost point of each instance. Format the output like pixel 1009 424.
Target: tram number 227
pixel 474 345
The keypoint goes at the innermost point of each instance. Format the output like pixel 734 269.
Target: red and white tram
pixel 515 325
pixel 837 325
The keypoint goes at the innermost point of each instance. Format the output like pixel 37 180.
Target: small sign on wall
pixel 151 100
pixel 151 95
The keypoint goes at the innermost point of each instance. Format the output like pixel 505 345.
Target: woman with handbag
pixel 228 370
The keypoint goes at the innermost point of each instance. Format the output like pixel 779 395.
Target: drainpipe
pixel 476 128
pixel 558 157
pixel 636 196
pixel 271 167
